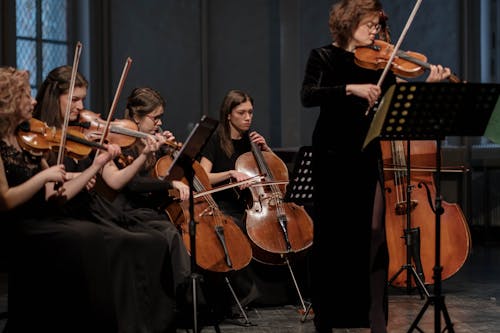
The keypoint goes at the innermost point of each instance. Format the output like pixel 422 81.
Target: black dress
pixel 344 179
pixel 58 274
pixel 156 261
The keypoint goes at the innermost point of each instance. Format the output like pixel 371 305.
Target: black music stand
pixel 182 166
pixel 432 111
pixel 300 188
pixel 300 191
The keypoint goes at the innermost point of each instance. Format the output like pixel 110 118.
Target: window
pixel 41 37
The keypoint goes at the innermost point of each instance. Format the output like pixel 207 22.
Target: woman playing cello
pixel 230 140
pixel 357 296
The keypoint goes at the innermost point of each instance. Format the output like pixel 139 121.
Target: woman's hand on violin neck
pixel 111 153
pixel 151 145
pixel 370 92
pixel 166 136
pixel 438 73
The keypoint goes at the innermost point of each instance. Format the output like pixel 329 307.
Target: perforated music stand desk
pixel 300 188
pixel 432 111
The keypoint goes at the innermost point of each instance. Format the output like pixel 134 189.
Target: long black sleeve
pixel 148 184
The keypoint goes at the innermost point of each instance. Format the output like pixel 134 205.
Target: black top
pixel 344 180
pixel 230 200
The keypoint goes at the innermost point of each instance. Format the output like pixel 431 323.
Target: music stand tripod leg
pixel 437 299
pixel 195 277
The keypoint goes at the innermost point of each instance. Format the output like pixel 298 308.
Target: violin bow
pixel 397 46
pixel 74 70
pixel 119 89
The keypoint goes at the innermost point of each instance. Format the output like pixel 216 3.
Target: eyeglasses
pixel 373 26
pixel 155 119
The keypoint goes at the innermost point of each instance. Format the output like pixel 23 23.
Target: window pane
pixel 54 55
pixel 26 18
pixel 26 57
pixel 54 20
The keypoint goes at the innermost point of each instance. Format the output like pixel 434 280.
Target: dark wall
pixel 194 51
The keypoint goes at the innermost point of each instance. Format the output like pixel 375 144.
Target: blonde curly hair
pixel 13 84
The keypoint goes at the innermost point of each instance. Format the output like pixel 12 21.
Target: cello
pixel 275 227
pixel 455 233
pixel 221 246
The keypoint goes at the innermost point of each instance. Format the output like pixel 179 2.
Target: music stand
pixel 300 191
pixel 432 111
pixel 300 188
pixel 182 166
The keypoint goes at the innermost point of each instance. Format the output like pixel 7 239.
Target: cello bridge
pixel 401 207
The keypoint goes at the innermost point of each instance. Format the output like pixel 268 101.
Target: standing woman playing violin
pixel 58 277
pixel 356 296
pixel 138 253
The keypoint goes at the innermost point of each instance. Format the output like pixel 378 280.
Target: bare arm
pixel 117 178
pixel 11 197
pixel 217 177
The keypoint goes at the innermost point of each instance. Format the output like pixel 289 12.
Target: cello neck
pixel 261 162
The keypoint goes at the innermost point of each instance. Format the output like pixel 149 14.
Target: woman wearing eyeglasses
pixel 355 295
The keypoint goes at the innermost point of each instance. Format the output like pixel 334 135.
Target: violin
pixel 36 137
pixel 123 132
pixel 407 64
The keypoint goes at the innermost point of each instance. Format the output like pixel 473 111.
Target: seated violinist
pixel 146 192
pixel 58 276
pixel 141 242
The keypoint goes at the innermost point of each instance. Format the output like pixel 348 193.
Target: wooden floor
pixel 470 298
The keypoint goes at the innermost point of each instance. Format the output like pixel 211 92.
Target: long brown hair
pixel 232 99
pixel 48 108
